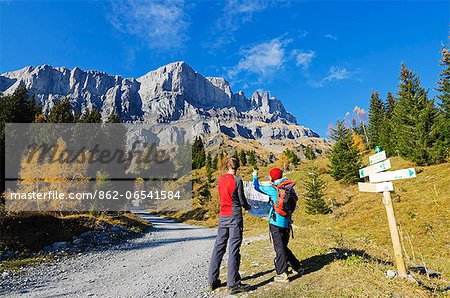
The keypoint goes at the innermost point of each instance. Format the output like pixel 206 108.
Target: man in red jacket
pixel 230 228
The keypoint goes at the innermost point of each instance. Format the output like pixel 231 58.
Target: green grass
pixel 18 265
pixel 358 224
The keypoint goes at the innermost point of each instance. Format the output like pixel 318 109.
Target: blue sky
pixel 320 58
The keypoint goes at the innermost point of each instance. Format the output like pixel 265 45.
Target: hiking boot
pixel 284 277
pixel 216 284
pixel 239 288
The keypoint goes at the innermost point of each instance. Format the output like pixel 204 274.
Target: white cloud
pixel 260 62
pixel 234 14
pixel 334 74
pixel 330 36
pixel 304 59
pixel 161 24
pixel 302 33
pixel 337 74
pixel 246 6
pixel 262 59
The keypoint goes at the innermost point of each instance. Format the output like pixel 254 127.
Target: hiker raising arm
pixel 265 189
pixel 283 200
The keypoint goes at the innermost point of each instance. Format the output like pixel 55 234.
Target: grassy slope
pixel 359 229
pixel 360 225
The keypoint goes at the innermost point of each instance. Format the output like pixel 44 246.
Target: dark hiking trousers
pixel 230 230
pixel 280 239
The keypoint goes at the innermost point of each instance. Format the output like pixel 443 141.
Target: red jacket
pixel 232 197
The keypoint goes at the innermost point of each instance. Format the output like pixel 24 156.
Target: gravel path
pixel 169 261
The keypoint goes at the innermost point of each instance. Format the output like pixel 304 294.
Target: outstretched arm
pixel 261 188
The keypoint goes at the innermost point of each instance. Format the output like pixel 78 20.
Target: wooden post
pixel 387 201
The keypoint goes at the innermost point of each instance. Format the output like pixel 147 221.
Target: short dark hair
pixel 233 163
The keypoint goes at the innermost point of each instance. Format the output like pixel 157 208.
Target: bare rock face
pixel 222 84
pixel 85 89
pixel 173 93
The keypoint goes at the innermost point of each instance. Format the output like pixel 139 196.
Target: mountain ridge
pixel 174 77
pixel 173 93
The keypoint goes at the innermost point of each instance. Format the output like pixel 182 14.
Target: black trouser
pixel 229 230
pixel 280 239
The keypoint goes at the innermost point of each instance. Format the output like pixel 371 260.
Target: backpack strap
pixel 284 184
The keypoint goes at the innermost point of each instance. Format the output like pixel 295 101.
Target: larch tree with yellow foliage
pixel 51 174
pixel 358 142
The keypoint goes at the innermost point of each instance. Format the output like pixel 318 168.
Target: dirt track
pixel 169 261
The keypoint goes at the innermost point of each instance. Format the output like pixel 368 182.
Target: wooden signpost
pixel 375 187
pixel 393 175
pixel 380 156
pixel 378 167
pixel 378 164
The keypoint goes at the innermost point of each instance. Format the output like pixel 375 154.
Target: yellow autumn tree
pixel 50 174
pixel 284 160
pixel 358 142
pixel 222 161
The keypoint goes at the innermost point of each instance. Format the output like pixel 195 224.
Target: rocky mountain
pixel 173 93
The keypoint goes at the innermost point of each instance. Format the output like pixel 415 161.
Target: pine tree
pixel 235 154
pixel 208 160
pixel 315 186
pixel 389 105
pixel 214 163
pixel 295 160
pixel 414 120
pixel 208 165
pixel 183 159
pixel 291 157
pixel 198 154
pixel 243 157
pixel 376 115
pixel 309 152
pixel 61 112
pixel 76 116
pixel 426 150
pixel 251 158
pixel 443 144
pixel 386 140
pixel 345 159
pixel 18 107
pixel 204 194
pixel 113 118
pixel 91 116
